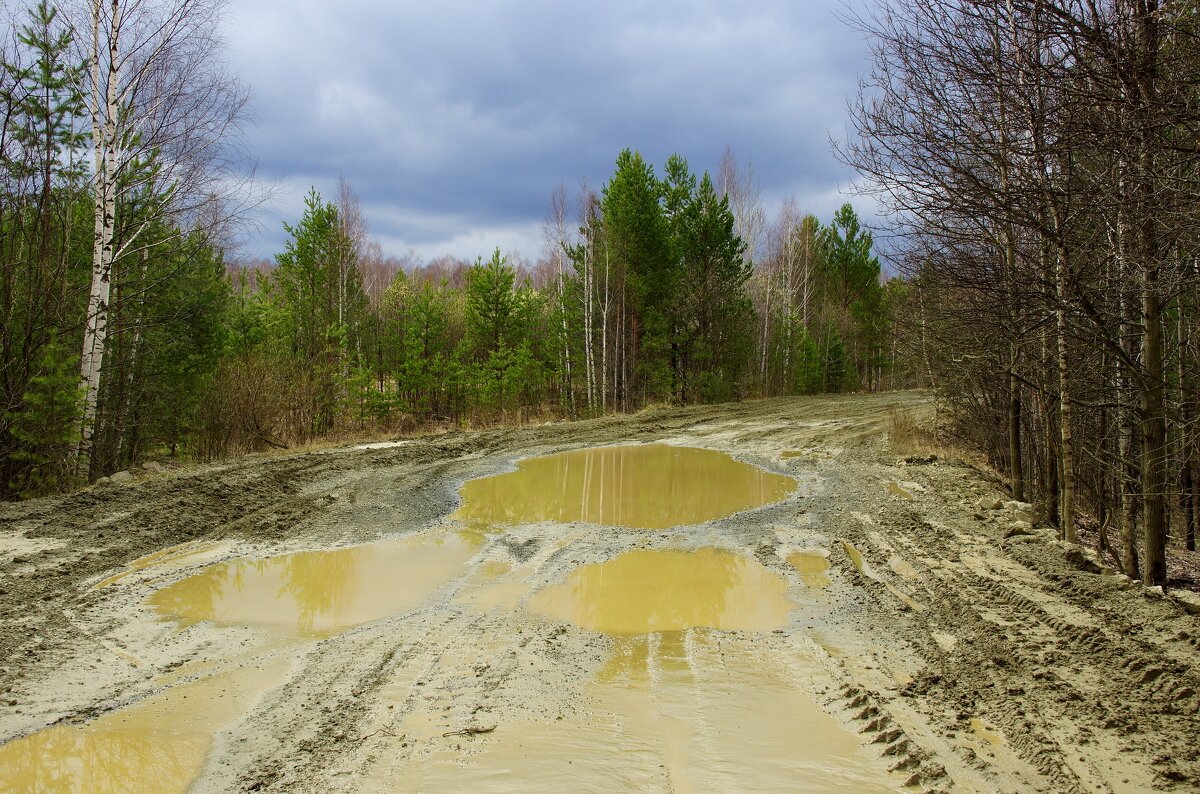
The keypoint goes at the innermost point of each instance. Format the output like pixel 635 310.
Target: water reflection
pixel 652 486
pixel 647 591
pixel 157 745
pixel 320 592
pixel 643 657
pixel 680 711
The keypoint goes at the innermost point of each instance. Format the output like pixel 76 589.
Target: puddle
pixel 319 592
pixel 167 558
pixel 861 564
pixel 159 744
pixel 903 567
pixel 826 644
pixel 992 736
pixel 947 642
pixel 695 713
pixel 640 657
pixel 865 569
pixel 651 486
pixel 650 590
pixel 813 567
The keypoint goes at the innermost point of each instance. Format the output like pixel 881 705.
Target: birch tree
pixel 164 117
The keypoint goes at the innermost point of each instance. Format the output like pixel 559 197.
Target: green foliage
pixel 852 280
pixel 659 301
pixel 46 425
pixel 834 364
pixel 307 279
pixel 491 306
pixel 46 94
pixel 808 374
pixel 319 294
pixel 638 246
pixel 712 302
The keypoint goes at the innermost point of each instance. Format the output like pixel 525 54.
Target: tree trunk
pixel 1016 474
pixel 105 164
pixel 1067 508
pixel 1154 437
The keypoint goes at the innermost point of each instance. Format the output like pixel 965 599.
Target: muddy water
pixel 678 705
pixel 159 744
pixel 316 593
pixel 983 731
pixel 685 711
pixel 651 486
pixel 897 564
pixel 162 560
pixel 647 591
pixel 813 567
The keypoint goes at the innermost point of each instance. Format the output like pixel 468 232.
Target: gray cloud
pixel 453 121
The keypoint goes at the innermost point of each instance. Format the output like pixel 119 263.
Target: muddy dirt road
pixel 336 621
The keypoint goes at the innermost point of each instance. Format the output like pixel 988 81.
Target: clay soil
pixel 961 655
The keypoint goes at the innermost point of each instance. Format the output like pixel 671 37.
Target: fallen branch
pixel 375 733
pixel 469 731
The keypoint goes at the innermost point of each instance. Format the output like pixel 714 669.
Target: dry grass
pixel 913 435
pixel 905 436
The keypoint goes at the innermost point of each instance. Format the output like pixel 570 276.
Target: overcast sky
pixel 454 121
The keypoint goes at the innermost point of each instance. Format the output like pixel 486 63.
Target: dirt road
pixel 886 625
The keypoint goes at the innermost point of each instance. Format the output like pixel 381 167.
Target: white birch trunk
pixel 604 331
pixel 104 114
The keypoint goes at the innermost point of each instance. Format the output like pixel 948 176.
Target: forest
pixel 1038 159
pixel 130 332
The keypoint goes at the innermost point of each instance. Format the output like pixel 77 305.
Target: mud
pixel 911 646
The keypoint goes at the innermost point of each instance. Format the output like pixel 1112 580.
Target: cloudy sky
pixel 453 121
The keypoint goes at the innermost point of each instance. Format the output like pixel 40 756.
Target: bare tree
pixel 557 242
pixel 750 221
pixel 1030 150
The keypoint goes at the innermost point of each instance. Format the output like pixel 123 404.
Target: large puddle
pixel 315 593
pixel 680 705
pixel 648 590
pixel 158 745
pixel 651 486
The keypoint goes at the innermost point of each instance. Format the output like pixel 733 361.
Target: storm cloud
pixel 454 121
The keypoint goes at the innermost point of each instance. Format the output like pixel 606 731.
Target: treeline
pixel 648 294
pixel 1040 159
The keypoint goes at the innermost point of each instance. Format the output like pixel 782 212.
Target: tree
pixel 39 202
pixel 1030 152
pixel 637 252
pixel 712 298
pixel 491 305
pixel 164 118
pixel 313 282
